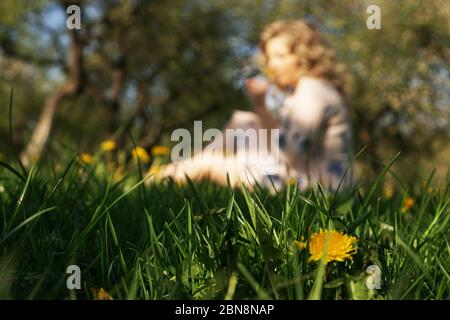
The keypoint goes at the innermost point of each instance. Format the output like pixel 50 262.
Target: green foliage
pixel 154 66
pixel 202 241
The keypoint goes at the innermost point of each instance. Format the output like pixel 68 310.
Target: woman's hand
pixel 256 89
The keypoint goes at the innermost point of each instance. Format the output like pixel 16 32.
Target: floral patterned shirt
pixel 315 136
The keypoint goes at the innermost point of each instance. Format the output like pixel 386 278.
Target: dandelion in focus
pixel 340 246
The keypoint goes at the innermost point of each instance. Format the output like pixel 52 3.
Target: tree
pixel 149 67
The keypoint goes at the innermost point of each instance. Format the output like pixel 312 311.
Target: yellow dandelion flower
pixel 291 181
pixel 108 145
pixel 300 245
pixel 101 294
pixel 86 158
pixel 142 154
pixel 408 203
pixel 160 151
pixel 340 248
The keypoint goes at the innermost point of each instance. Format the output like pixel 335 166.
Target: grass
pixel 202 241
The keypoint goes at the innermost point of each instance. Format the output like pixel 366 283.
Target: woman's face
pixel 281 62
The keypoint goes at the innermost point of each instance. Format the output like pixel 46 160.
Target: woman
pixel 315 142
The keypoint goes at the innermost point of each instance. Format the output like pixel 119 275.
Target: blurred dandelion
pixel 86 158
pixel 108 145
pixel 101 294
pixel 160 151
pixel 142 154
pixel 408 203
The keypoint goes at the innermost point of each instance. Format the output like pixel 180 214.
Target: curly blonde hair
pixel 315 57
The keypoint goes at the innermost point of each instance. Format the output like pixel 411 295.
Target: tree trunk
pixel 41 133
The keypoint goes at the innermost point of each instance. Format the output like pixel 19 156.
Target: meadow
pixel 134 240
pixel 83 219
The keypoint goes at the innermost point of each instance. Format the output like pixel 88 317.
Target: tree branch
pixel 70 87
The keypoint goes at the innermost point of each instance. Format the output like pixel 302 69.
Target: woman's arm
pixel 257 90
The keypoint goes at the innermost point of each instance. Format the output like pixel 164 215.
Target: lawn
pixel 133 240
